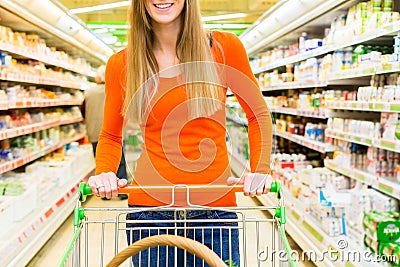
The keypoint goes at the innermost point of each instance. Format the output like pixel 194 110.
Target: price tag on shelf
pixel 397 145
pixel 386 106
pixel 375 182
pixel 376 142
pixel 363 140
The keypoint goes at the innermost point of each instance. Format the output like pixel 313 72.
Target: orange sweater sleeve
pixel 243 84
pixel 109 149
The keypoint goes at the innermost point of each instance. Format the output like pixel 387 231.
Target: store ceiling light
pixel 100 7
pixel 225 16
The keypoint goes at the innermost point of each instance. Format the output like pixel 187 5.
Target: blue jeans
pixel 218 236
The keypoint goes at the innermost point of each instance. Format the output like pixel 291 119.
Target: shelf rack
pixel 388 30
pixel 301 140
pixel 26 237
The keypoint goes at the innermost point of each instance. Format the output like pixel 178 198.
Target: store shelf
pixel 238 164
pixel 388 30
pixel 352 74
pixel 35 127
pixel 26 237
pixel 379 183
pixel 11 165
pixel 362 140
pixel 293 85
pixel 319 114
pixel 307 233
pixel 41 80
pixel 389 68
pixel 301 140
pixel 237 120
pixel 349 137
pixel 364 106
pixel 23 53
pixel 39 103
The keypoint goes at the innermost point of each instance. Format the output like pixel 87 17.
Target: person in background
pixel 93 111
pixel 172 80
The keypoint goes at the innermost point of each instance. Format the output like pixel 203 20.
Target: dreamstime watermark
pixel 342 255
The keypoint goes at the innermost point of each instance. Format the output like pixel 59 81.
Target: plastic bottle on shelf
pixel 302 42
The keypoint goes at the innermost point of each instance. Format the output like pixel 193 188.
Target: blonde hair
pixel 193 45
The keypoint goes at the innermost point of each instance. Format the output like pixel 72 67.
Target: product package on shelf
pixel 34 45
pixel 60 167
pixel 365 201
pixel 382 234
pixel 19 193
pixel 83 157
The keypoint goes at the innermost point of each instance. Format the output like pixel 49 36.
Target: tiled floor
pixel 53 251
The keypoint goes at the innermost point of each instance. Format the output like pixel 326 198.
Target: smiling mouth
pixel 163 6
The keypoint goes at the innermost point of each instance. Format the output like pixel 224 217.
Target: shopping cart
pixel 98 241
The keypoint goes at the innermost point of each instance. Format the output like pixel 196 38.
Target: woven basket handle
pixel 187 244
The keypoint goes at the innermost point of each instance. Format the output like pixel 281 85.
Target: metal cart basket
pixel 260 239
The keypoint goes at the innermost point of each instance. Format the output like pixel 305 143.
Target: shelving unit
pixel 42 80
pixel 302 227
pixel 238 121
pixel 318 146
pixel 307 232
pixel 293 85
pixel 366 141
pixel 318 114
pixel 364 106
pixel 379 183
pixel 11 165
pixel 26 237
pixel 35 127
pixel 388 30
pixel 16 51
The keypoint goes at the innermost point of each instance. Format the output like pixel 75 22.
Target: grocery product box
pixel 83 159
pixel 382 226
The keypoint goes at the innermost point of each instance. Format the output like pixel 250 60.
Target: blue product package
pixel 319 134
pixel 2 58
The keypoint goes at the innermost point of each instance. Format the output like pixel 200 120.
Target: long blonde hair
pixel 193 45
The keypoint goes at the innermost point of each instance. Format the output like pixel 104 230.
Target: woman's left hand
pixel 253 183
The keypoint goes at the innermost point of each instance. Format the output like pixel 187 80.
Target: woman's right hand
pixel 105 185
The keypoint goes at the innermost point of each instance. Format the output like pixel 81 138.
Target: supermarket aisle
pixel 52 252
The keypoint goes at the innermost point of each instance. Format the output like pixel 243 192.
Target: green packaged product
pixel 396 256
pixel 382 226
pixel 363 5
pixel 373 245
pixel 386 249
pixel 14 189
pixel 388 4
pixel 376 3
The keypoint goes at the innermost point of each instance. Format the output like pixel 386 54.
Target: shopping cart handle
pixel 84 190
pixel 276 187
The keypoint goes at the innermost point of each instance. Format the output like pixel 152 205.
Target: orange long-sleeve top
pixel 177 150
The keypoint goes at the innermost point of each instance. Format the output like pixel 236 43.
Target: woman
pixel 172 80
